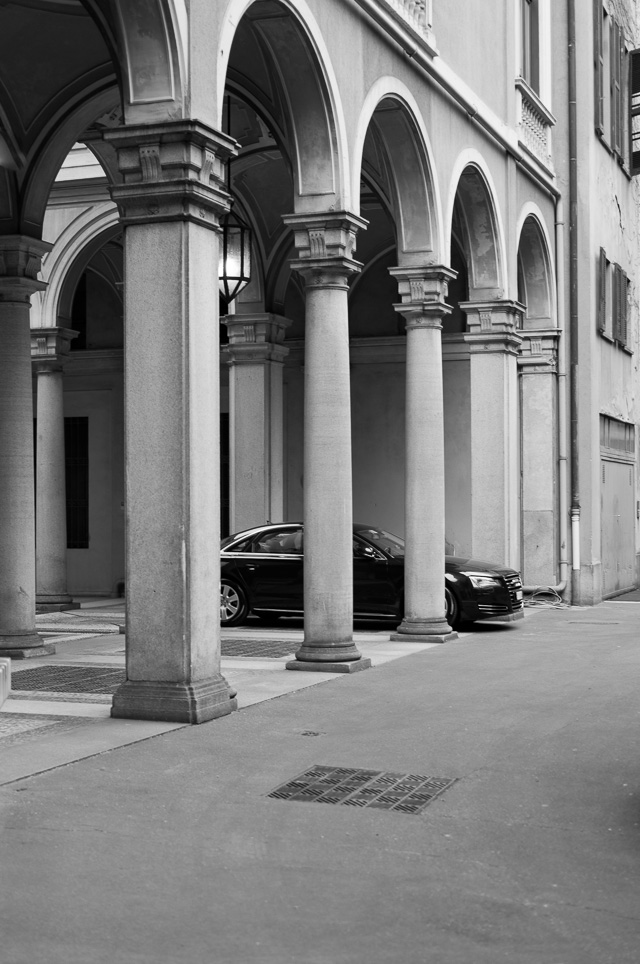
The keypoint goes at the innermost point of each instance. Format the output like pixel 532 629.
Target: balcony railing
pixel 534 124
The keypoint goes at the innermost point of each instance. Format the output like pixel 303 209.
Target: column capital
pixel 256 337
pixel 423 290
pixel 173 171
pixel 49 347
pixel 20 261
pixel 539 352
pixel 326 243
pixel 494 325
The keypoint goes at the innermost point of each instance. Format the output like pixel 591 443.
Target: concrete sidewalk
pixel 170 849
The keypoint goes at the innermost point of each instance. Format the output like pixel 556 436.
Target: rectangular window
pixel 611 79
pixel 617 438
pixel 76 462
pixel 531 43
pixel 612 298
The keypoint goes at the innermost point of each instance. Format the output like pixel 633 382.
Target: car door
pixel 275 571
pixel 375 590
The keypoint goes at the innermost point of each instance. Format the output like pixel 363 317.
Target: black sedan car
pixel 261 573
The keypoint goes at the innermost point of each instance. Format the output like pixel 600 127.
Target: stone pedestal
pixel 325 245
pixel 494 343
pixel 423 292
pixel 49 347
pixel 20 259
pixel 171 201
pixel 255 354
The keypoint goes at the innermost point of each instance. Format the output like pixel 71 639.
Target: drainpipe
pixel 573 305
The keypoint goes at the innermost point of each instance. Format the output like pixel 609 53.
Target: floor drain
pixel 403 792
pixel 68 679
pixel 259 648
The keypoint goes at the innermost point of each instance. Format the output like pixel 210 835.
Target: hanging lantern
pixel 235 256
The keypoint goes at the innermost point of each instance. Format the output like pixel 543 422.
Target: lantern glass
pixel 235 256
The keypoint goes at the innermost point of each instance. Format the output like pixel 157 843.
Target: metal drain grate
pixel 68 679
pixel 404 792
pixel 259 648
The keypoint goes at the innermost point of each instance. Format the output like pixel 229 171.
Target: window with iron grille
pixel 76 453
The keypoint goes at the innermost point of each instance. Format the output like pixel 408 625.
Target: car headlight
pixel 481 580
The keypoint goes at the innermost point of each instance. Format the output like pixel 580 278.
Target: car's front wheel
pixel 234 607
pixel 452 607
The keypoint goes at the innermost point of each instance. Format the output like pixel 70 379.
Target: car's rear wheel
pixel 452 607
pixel 234 607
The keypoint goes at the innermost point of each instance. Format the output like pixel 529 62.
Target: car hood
pixel 462 563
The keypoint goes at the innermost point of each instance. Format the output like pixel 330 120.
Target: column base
pixel 328 666
pixel 25 646
pixel 169 702
pixel 424 631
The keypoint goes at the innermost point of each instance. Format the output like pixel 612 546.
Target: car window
pixel 280 542
pixel 392 545
pixel 244 545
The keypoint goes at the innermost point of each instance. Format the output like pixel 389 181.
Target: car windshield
pixel 392 545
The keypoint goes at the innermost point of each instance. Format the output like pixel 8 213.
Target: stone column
pixel 537 365
pixel 494 344
pixel 423 291
pixel 171 200
pixel 325 245
pixel 256 354
pixel 20 259
pixel 49 347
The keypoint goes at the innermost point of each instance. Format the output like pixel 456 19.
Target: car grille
pixel 514 584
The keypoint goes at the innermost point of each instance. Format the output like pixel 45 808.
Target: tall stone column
pixel 423 292
pixel 20 259
pixel 325 245
pixel 494 344
pixel 49 347
pixel 256 355
pixel 170 201
pixel 537 365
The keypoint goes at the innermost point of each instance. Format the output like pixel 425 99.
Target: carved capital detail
pixel 423 290
pixel 256 338
pixel 494 325
pixel 20 261
pixel 326 244
pixel 50 347
pixel 173 171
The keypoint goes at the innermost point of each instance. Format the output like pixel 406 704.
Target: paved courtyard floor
pixel 472 802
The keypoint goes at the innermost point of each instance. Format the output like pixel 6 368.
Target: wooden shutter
pixel 598 66
pixel 622 306
pixel 634 111
pixel 615 303
pixel 614 48
pixel 602 291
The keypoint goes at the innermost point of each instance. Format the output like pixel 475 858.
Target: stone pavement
pixel 165 846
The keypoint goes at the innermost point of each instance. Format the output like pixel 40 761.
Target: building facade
pixel 439 335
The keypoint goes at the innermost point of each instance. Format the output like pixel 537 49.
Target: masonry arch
pixel 289 72
pixel 476 229
pixel 535 274
pixel 393 152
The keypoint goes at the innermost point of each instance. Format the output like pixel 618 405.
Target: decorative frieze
pixel 493 326
pixel 539 351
